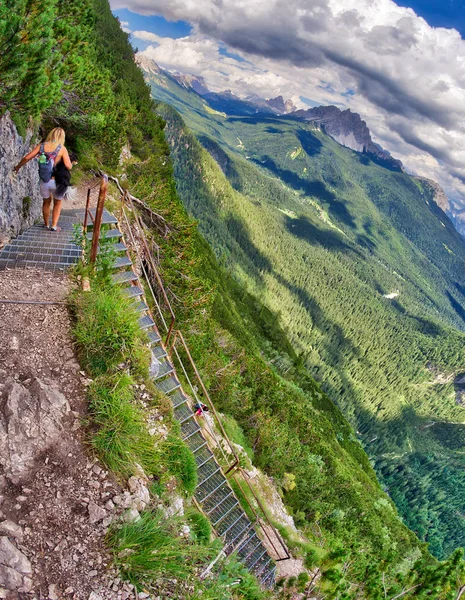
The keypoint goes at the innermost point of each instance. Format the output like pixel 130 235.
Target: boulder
pixel 30 423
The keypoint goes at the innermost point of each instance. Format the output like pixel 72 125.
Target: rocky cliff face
pixel 348 129
pixel 280 106
pixel 192 81
pixel 20 201
pixel 147 64
pixel 439 196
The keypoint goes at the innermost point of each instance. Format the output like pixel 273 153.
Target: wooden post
pixel 98 218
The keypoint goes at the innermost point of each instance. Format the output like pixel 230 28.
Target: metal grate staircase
pixel 213 492
pixel 39 247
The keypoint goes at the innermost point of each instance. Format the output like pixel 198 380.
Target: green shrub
pixel 200 525
pixel 151 550
pixel 180 462
pixel 235 434
pixel 121 439
pixel 108 332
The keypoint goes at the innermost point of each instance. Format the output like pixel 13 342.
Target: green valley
pixel 366 275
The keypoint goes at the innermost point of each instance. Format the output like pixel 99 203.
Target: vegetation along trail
pixel 280 253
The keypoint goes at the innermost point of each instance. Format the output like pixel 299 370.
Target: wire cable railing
pixel 214 495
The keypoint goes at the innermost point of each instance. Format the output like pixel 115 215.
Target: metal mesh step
pixel 222 510
pixel 158 352
pixel 116 246
pixel 108 234
pixel 154 337
pixel 145 322
pixel 216 499
pixel 207 471
pixel 121 262
pixel 107 218
pixel 209 486
pixel 196 441
pixel 132 291
pixel 141 306
pixel 268 577
pixel 188 428
pixel 124 277
pixel 164 369
pixel 202 455
pixel 183 412
pixel 178 398
pixel 168 385
pixel 22 243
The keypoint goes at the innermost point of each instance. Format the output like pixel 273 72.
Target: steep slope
pixel 367 275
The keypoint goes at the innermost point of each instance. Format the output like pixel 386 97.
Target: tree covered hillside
pixel 322 235
pixel 267 272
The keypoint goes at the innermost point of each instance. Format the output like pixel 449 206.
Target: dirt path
pixel 56 501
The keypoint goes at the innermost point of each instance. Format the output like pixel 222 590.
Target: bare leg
pixel 56 211
pixel 46 210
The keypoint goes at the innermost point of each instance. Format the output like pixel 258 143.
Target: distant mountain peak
pixel 280 106
pixel 195 82
pixel 347 128
pixel 147 64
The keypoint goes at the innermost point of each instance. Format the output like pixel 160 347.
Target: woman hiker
pixel 51 152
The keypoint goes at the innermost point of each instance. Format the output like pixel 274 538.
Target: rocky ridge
pixel 348 129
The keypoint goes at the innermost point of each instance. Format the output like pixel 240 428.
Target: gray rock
pixel 52 592
pixel 96 512
pixel 20 201
pixel 132 515
pixel 11 529
pixel 30 422
pixel 10 579
pixel 11 557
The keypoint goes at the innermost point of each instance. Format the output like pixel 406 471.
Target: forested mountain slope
pixel 70 64
pixel 366 274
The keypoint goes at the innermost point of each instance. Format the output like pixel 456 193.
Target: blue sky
pixel 440 13
pixel 154 24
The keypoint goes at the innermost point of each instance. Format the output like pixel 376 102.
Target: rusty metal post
pixel 98 218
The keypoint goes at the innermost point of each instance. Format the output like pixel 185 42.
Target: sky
pixel 401 65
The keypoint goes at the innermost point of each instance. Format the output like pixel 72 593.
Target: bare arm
pixel 27 158
pixel 65 158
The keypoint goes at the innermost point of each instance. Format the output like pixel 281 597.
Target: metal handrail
pixel 154 268
pixel 177 336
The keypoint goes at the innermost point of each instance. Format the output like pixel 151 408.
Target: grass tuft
pixel 122 439
pixel 180 462
pixel 151 549
pixel 108 332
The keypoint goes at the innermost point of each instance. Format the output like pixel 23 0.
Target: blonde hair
pixel 56 135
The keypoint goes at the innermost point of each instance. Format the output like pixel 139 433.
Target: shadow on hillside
pixel 238 230
pixel 460 288
pixel 273 130
pixel 366 242
pixel 313 188
pixel 221 157
pixel 304 229
pixel 310 143
pixel 367 159
pixel 460 311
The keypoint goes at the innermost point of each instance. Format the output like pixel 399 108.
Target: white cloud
pixel 405 78
pixel 147 36
pixel 125 26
